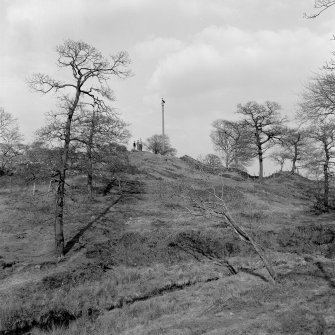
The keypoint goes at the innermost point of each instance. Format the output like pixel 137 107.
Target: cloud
pixel 229 58
pixel 156 47
pixel 188 71
pixel 221 66
pixel 33 24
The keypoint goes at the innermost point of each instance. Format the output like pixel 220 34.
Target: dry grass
pixel 232 305
pixel 116 288
pixel 135 270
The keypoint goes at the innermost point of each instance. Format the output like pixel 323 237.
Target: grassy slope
pixel 135 270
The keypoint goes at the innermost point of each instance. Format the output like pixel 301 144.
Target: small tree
pixel 318 98
pixel 294 143
pixel 10 142
pixel 95 131
pixel 39 161
pixel 213 162
pixel 155 144
pixel 280 156
pixel 90 73
pixel 266 123
pixel 234 142
pixel 93 128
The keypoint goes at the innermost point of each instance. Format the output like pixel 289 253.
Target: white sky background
pixel 203 56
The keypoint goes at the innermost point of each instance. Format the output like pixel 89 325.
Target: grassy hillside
pixel 139 262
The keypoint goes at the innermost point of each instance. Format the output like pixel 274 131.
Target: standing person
pixel 134 146
pixel 140 144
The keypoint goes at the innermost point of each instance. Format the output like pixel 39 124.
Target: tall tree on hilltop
pixel 234 142
pixel 266 123
pixel 90 72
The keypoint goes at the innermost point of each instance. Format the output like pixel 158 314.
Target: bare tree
pixel 10 152
pixel 234 142
pixel 213 162
pixel 95 130
pixel 294 145
pixel 266 123
pixel 40 161
pixel 90 74
pixel 318 98
pixel 9 127
pixel 280 156
pixel 212 204
pixel 320 6
pixel 93 127
pixel 10 141
pixel 155 144
pixel 324 133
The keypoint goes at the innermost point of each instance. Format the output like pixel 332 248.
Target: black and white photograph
pixel 167 167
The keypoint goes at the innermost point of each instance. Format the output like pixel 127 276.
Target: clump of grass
pixel 117 289
pixel 307 239
pixel 300 321
pixel 136 317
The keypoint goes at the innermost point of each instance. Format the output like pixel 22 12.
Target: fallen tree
pixel 214 206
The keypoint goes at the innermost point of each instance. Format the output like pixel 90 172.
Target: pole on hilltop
pixel 163 130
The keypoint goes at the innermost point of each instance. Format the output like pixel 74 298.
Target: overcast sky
pixel 203 56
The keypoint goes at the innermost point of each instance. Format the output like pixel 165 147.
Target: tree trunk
pixel 326 177
pixel 90 181
pixel 59 212
pixel 259 153
pixel 326 186
pixel 260 160
pixel 295 158
pixel 245 236
pixel 236 161
pixel 59 235
pixel 90 157
pixel 89 173
pixel 293 166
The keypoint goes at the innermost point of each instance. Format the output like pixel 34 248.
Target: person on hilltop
pixel 134 146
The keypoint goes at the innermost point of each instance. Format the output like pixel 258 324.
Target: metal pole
pixel 163 130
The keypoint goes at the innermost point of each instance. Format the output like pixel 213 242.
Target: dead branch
pixel 321 6
pixel 210 208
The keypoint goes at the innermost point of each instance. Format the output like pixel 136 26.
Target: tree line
pixel 261 128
